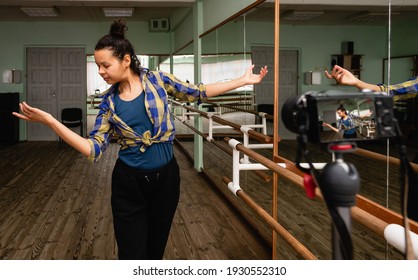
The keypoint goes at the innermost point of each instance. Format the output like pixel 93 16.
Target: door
pixel 56 79
pixel 288 80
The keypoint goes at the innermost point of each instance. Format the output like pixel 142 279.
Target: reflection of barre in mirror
pixel 247 132
pixel 378 220
pixel 227 124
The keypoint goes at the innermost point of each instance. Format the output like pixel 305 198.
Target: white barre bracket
pixel 237 166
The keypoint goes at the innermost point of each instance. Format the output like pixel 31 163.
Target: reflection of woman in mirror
pixel 405 90
pixel 345 124
pixel 342 76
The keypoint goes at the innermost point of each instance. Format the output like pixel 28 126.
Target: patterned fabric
pixel 348 125
pixel 403 90
pixel 157 85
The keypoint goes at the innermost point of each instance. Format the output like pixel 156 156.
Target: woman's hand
pixel 250 78
pixel 326 124
pixel 342 76
pixel 32 114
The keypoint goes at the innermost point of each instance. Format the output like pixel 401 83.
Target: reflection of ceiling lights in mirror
pixel 300 15
pixel 118 12
pixel 370 16
pixel 40 11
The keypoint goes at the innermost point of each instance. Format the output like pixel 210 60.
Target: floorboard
pixel 54 204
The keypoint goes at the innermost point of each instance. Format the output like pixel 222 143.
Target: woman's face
pixel 111 68
pixel 340 113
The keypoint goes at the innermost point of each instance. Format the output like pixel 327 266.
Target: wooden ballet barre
pixel 214 99
pixel 277 227
pixel 368 220
pixel 264 176
pixel 267 116
pixel 288 174
pixel 392 160
pixel 204 136
pixel 254 134
pixel 371 207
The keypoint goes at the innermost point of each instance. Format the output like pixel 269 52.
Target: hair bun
pixel 118 28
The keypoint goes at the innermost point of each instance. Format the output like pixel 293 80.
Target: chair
pixel 72 117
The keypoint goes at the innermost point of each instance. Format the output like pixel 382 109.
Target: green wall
pixel 404 37
pixel 214 14
pixel 23 34
pixel 315 43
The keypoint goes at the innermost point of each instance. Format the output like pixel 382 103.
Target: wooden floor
pixel 307 219
pixel 55 205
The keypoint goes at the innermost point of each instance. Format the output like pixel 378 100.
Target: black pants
pixel 143 207
pixel 350 136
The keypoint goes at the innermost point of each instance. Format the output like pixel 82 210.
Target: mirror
pixel 401 66
pixel 312 39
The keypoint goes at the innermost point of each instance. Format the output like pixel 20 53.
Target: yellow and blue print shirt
pixel 403 90
pixel 157 86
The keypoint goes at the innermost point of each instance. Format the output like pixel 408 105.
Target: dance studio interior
pixel 262 177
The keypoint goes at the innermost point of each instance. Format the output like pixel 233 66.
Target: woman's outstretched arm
pixel 249 78
pixel 33 114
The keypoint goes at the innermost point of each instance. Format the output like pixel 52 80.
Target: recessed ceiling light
pixel 301 15
pixel 118 12
pixel 40 11
pixel 370 16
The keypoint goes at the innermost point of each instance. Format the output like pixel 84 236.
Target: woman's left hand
pixel 250 78
pixel 32 114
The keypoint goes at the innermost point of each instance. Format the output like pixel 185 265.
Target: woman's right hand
pixel 32 114
pixel 342 76
pixel 326 124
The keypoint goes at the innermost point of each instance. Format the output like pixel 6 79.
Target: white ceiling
pixel 338 14
pixel 91 10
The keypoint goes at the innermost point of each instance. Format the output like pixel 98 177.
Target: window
pixel 215 68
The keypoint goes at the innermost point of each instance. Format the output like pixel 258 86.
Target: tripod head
pixel 339 181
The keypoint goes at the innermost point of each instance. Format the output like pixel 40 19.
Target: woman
pixel 145 179
pixel 345 123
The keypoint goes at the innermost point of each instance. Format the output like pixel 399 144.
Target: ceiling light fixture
pixel 40 11
pixel 370 16
pixel 300 15
pixel 118 12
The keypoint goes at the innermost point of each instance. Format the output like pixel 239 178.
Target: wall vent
pixel 159 25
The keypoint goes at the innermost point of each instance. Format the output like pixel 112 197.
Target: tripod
pixel 339 183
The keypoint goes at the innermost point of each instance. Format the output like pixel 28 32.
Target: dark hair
pixel 115 40
pixel 342 109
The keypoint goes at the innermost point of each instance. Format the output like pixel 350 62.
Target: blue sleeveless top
pixel 349 126
pixel 134 114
